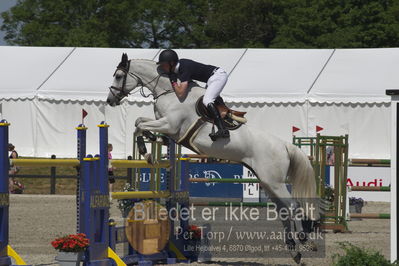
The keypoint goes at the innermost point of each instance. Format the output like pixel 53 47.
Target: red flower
pixel 71 243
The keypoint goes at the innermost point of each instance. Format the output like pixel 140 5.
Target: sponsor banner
pixel 145 176
pixel 367 176
pixel 250 190
pixel 205 170
pixel 216 171
pixel 357 176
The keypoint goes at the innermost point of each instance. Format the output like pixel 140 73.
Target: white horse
pixel 274 162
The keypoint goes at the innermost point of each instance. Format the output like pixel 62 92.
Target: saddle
pixel 231 118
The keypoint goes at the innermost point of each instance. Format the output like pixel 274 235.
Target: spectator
pixel 13 185
pixel 330 155
pixel 110 169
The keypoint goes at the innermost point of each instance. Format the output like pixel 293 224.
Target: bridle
pixel 124 93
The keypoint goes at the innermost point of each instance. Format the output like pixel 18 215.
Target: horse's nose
pixel 108 101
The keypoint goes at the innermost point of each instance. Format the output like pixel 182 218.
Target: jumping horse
pixel 274 162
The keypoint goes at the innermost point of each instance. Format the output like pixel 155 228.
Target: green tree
pixel 140 23
pixel 219 23
pixel 336 24
pixel 186 21
pixel 69 23
pixel 148 24
pixel 204 23
pixel 235 23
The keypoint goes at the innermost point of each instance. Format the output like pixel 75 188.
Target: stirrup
pixel 221 133
pixel 212 135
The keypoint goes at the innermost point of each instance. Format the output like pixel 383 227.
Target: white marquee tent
pixel 43 90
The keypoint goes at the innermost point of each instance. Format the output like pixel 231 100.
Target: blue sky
pixel 4 6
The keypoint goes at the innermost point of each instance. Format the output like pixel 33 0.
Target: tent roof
pixel 275 75
pixel 87 73
pixel 24 69
pixel 358 75
pixel 256 75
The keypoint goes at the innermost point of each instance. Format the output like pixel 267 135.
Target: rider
pixel 186 70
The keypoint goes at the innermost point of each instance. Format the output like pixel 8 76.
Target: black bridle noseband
pixel 124 93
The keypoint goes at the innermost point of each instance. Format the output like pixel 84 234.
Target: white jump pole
pixel 394 170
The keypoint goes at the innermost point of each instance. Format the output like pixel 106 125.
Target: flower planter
pixel 356 208
pixel 69 258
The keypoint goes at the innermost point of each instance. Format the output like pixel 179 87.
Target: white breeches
pixel 215 86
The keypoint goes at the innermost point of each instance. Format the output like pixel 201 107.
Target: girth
pixel 188 138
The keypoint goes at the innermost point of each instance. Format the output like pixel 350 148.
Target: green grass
pixel 354 256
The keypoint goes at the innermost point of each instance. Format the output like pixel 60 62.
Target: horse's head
pixel 124 82
pixel 141 73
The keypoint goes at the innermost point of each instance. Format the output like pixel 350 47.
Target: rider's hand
pixel 173 79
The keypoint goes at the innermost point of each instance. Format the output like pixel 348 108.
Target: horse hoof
pixel 311 246
pixel 298 258
pixel 149 158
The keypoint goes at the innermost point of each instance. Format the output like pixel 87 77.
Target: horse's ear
pixel 124 58
pixel 124 61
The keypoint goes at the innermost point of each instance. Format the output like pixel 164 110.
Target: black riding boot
pixel 222 131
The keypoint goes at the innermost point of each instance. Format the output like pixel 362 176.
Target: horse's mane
pixel 142 59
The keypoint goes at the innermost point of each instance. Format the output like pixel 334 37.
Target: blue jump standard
pixel 93 204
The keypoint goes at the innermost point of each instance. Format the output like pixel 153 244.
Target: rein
pixel 124 93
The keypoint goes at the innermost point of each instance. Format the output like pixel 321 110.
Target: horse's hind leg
pixel 284 202
pixel 282 198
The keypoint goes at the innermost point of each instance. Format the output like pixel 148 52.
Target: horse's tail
pixel 302 177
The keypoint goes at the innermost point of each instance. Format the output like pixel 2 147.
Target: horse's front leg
pixel 159 125
pixel 144 133
pixel 142 120
pixel 143 127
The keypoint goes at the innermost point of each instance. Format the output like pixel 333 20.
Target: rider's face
pixel 165 67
